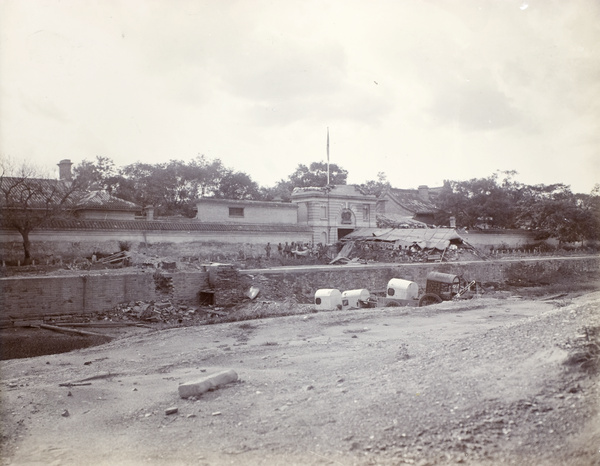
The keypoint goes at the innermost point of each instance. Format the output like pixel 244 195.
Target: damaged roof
pixel 411 201
pixel 425 238
pixel 102 200
pixel 398 221
pixel 346 190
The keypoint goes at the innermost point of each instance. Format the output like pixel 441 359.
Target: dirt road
pixel 485 381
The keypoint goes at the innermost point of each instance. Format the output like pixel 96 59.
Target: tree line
pixel 172 188
pixel 496 201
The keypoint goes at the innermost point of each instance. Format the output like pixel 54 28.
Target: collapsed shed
pixel 422 244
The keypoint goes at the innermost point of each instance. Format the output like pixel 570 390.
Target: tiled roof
pixel 410 200
pixel 349 190
pixel 105 201
pixel 34 193
pixel 39 193
pixel 143 225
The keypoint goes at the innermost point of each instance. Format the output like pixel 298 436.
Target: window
pixel 323 211
pixel 236 211
pixel 366 213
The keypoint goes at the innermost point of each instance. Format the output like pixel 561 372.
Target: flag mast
pixel 328 156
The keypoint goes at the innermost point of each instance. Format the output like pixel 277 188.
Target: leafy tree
pixel 316 175
pixel 281 192
pixel 237 185
pixel 172 187
pixel 376 186
pixel 98 174
pixel 555 211
pixel 481 201
pixel 29 201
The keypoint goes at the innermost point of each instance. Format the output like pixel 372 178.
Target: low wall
pixel 49 252
pixel 32 297
pixel 29 297
pixel 303 282
pixel 48 246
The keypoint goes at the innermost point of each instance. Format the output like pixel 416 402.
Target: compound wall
pixel 29 297
pixel 32 297
pixel 303 282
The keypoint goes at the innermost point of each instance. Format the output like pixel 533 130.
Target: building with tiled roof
pixel 411 204
pixel 101 205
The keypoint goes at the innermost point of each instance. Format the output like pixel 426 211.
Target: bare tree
pixel 29 201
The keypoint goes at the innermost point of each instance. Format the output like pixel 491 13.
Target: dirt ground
pixel 498 379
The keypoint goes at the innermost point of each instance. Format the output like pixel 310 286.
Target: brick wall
pixel 24 297
pixel 303 282
pixel 27 297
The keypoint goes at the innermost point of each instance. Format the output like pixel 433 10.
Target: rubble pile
pixel 260 309
pixel 164 312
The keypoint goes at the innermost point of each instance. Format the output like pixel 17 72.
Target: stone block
pixel 207 383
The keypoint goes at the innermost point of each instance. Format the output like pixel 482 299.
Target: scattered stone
pixel 65 413
pixel 216 413
pixel 171 410
pixel 205 384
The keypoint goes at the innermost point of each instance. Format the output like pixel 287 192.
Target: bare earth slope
pixel 485 381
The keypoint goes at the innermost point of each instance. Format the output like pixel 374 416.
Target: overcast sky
pixel 421 90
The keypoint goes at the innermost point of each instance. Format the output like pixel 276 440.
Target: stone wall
pixel 28 297
pixel 303 282
pixel 46 250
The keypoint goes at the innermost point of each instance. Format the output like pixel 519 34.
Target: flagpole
pixel 328 156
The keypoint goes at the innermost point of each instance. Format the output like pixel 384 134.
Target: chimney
pixel 64 170
pixel 424 192
pixel 149 213
pixel 453 222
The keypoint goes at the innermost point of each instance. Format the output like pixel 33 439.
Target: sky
pixel 423 91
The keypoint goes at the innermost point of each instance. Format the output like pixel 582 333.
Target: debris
pixel 205 384
pixel 561 295
pixel 76 383
pixel 70 330
pixel 344 254
pixel 253 292
pixel 171 410
pixel 117 257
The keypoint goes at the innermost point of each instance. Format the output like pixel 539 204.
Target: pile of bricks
pixel 159 312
